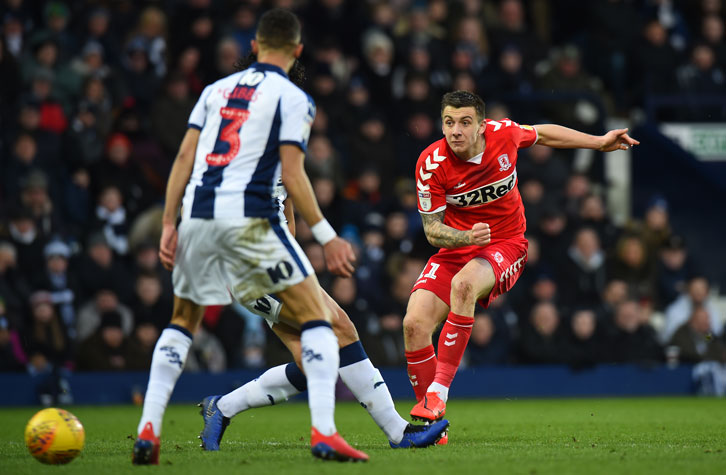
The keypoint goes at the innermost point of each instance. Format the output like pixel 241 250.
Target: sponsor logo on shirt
pixel 484 195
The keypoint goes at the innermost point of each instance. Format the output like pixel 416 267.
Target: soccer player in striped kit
pixel 246 132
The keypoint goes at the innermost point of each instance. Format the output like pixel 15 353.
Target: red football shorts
pixel 506 257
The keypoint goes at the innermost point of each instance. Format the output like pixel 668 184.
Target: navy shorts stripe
pixel 277 227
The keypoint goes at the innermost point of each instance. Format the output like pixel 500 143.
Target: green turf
pixel 579 436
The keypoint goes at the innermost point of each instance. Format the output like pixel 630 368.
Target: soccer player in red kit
pixel 471 209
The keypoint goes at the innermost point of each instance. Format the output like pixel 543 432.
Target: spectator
pixel 139 75
pixel 11 355
pixel 614 294
pixel 546 165
pixel 90 315
pixel 45 339
pixel 695 340
pixel 88 131
pixel 170 113
pixel 149 304
pixel 243 27
pixel 585 342
pixel 372 146
pixel 111 219
pixel 542 341
pixel 702 74
pixel 554 235
pixel 674 268
pixel 592 215
pixel 98 30
pixel 99 269
pixel 489 343
pixel 109 349
pixel 22 233
pixel 323 161
pixel 377 68
pixel 507 78
pixel 14 288
pixel 632 265
pixel 712 33
pixel 678 313
pixel 567 75
pixel 582 276
pixel 512 30
pixel 120 169
pixel 60 283
pixel 654 62
pixel 35 197
pixel 633 341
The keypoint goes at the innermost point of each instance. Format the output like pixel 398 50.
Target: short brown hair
pixel 278 29
pixel 459 99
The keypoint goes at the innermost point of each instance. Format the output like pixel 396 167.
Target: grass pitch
pixel 579 436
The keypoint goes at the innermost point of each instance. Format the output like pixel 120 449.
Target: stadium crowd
pixel 94 102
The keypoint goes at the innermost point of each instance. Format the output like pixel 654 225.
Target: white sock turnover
pixel 320 361
pixel 167 364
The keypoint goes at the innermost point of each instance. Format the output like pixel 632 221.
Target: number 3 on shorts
pixel 229 134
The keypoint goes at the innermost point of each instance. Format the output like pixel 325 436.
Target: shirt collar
pixel 269 67
pixel 476 159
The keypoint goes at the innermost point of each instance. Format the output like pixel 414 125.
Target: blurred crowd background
pixel 94 101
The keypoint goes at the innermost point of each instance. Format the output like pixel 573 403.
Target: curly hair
pixel 296 74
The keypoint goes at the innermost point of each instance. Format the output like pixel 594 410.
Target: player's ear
pixel 255 47
pixel 298 51
pixel 482 127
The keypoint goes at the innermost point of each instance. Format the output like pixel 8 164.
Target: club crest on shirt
pixel 504 163
pixel 424 197
pixel 498 257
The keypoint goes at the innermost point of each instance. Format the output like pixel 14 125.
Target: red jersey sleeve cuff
pixel 437 210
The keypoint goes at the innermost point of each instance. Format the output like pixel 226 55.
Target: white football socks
pixel 167 364
pixel 367 385
pixel 320 362
pixel 272 387
pixel 442 390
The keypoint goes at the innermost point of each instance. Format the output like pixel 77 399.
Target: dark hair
pixel 296 73
pixel 278 29
pixel 459 99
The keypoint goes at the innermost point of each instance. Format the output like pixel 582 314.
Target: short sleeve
pixel 298 112
pixel 431 194
pixel 525 136
pixel 199 113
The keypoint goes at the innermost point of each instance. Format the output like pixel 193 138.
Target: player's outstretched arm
pixel 338 253
pixel 441 235
pixel 557 136
pixel 178 179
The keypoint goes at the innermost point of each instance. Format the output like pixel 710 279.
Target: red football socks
pixel 452 343
pixel 421 369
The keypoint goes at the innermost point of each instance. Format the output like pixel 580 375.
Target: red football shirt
pixel 482 189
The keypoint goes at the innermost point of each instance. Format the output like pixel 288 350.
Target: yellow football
pixel 54 436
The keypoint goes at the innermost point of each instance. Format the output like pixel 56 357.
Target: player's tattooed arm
pixel 441 235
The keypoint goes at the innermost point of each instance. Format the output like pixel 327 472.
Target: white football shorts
pixel 221 259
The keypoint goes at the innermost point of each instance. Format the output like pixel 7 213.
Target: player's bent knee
pixel 344 328
pixel 415 327
pixel 462 289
